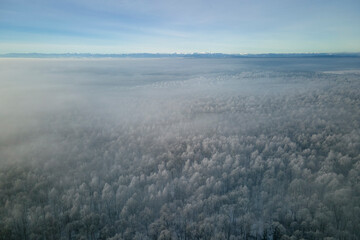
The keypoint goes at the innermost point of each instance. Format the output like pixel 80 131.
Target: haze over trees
pixel 180 148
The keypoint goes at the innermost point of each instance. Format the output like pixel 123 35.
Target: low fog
pixel 172 148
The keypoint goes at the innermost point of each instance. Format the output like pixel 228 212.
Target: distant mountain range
pixel 174 55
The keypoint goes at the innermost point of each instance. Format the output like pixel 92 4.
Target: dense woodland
pixel 283 165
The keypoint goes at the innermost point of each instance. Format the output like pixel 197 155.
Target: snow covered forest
pixel 180 148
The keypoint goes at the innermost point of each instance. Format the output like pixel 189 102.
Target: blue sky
pixel 227 26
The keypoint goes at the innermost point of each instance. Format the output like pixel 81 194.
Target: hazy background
pixel 42 96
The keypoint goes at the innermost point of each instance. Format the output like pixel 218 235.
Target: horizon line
pixel 175 54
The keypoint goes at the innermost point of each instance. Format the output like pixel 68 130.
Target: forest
pixel 179 149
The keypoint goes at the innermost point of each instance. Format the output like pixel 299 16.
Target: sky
pixel 187 26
